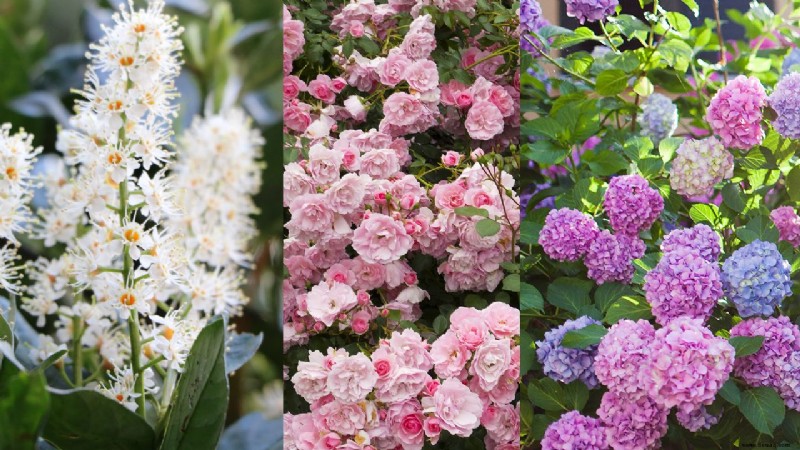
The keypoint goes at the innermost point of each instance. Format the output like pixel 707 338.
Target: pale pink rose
pixel 296 182
pixel 504 392
pixel 449 196
pixel 451 158
pixel 418 44
pixel 369 275
pixel 360 322
pixel 301 270
pixel 310 214
pixel 513 368
pixel 458 409
pixel 491 361
pixel 324 164
pixel 484 121
pixel 293 38
pixel 501 422
pixel 503 100
pixel 404 383
pixel 385 363
pixel 351 159
pixel 311 379
pixel 381 239
pixel 450 90
pixel 411 349
pixel 380 163
pixel 346 196
pixel 355 108
pixel 338 84
pixel 392 69
pixel 321 88
pixel 351 379
pixel 328 250
pixel 475 154
pixel 502 319
pixel 411 295
pixel 403 109
pixel 296 115
pixel 472 240
pixel 469 57
pixel 405 421
pixel 342 418
pixel 300 432
pixel 433 429
pixel 478 198
pixel 422 75
pixel 292 87
pixel 339 273
pixel 449 356
pixel 356 29
pixel 325 302
pixel 469 326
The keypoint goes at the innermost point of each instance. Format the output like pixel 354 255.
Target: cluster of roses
pixel 390 400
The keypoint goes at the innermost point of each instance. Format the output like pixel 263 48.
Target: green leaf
pixel 240 348
pixel 565 40
pixel 576 394
pixel 643 87
pixel 793 184
pixel 197 415
pixel 569 293
pixel 605 162
pixel 547 394
pixel 679 22
pixel 470 211
pixel 791 426
pixel 24 402
pixel 746 345
pixel 667 147
pixel 440 324
pixel 487 227
pixel 677 53
pixel 511 282
pixel 82 420
pixel 608 293
pixel 692 4
pixel 611 82
pixel 544 152
pixel 584 337
pixel 763 408
pixel 701 212
pixel 530 298
pixel 730 392
pixel 732 197
pixel 628 307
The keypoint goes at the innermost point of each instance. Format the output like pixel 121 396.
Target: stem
pixel 722 59
pixel 77 354
pixel 133 328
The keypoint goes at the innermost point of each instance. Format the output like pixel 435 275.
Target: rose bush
pixel 660 232
pixel 400 295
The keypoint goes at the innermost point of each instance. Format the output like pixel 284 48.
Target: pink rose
pixel 502 319
pixel 352 379
pixel 324 164
pixel 346 196
pixel 296 182
pixel 469 326
pixel 450 90
pixel 310 214
pixel 449 356
pixel 384 363
pixel 338 84
pixel 403 109
pixel 325 302
pixel 451 158
pixel 433 429
pixel 501 422
pixel 381 239
pixel 351 159
pixel 355 108
pixel 356 29
pixel 311 379
pixel 422 76
pixel 380 163
pixel 342 418
pixel 418 44
pixel 484 121
pixel 292 87
pixel 368 275
pixel 449 196
pixel 410 349
pixel 464 99
pixel 405 421
pixel 360 322
pixel 392 69
pixel 403 384
pixel 293 38
pixel 490 362
pixel 322 89
pixel 458 409
pixel 296 115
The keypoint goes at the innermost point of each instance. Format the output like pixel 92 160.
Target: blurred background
pixel 232 56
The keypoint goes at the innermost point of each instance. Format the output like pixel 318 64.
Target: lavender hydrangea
pixel 756 278
pixel 575 431
pixel 787 222
pixel 530 15
pixel 683 284
pixel 688 364
pixel 567 364
pixel 631 204
pixel 735 112
pixel 792 59
pixel 609 258
pixel 632 423
pixel 785 100
pixel 697 419
pixel 590 10
pixel 699 166
pixel 567 234
pixel 659 118
pixel 700 238
pixel 623 355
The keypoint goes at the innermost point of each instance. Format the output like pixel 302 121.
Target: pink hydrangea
pixel 567 234
pixel 688 365
pixel 699 166
pixel 735 112
pixel 574 431
pixel 697 419
pixel 621 363
pixel 631 204
pixel 787 222
pixel 699 238
pixel 381 239
pixel 632 423
pixel 609 259
pixel 683 284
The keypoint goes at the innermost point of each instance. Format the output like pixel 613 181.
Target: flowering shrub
pixel 402 122
pixel 659 230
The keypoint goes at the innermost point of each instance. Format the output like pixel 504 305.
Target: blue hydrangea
pixel 756 278
pixel 785 100
pixel 568 364
pixel 792 59
pixel 659 118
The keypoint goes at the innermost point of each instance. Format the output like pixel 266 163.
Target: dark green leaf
pixel 628 307
pixel 547 394
pixel 584 337
pixel 487 227
pixel 576 394
pixel 746 345
pixel 732 197
pixel 730 392
pixel 24 401
pixel 763 408
pixel 569 293
pixel 530 298
pixel 470 211
pixel 440 324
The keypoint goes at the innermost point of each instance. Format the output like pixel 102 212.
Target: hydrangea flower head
pixel 659 118
pixel 699 166
pixel 767 366
pixel 567 364
pixel 785 100
pixel 700 238
pixel 590 10
pixel 632 423
pixel 688 364
pixel 610 258
pixel 623 355
pixel 756 278
pixel 697 419
pixel 530 15
pixel 683 284
pixel 735 112
pixel 792 59
pixel 574 430
pixel 631 204
pixel 567 234
pixel 787 222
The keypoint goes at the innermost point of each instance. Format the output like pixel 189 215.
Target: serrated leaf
pixel 746 345
pixel 707 213
pixel 547 394
pixel 763 408
pixel 628 307
pixel 569 293
pixel 511 282
pixel 584 337
pixel 730 392
pixel 611 82
pixel 530 298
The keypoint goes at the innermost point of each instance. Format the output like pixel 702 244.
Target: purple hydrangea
pixel 530 15
pixel 683 284
pixel 735 112
pixel 632 423
pixel 792 59
pixel 698 166
pixel 590 10
pixel 785 100
pixel 631 204
pixel 567 234
pixel 659 118
pixel 623 355
pixel 609 258
pixel 575 431
pixel 688 364
pixel 697 419
pixel 777 362
pixel 567 364
pixel 756 278
pixel 787 222
pixel 700 238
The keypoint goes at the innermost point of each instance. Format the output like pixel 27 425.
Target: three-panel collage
pixel 399 224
